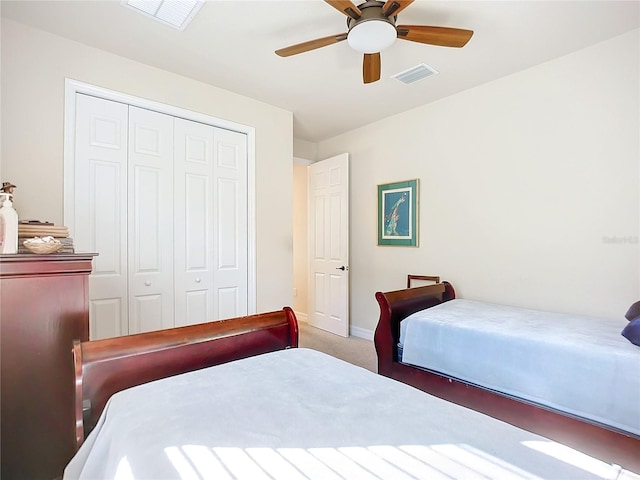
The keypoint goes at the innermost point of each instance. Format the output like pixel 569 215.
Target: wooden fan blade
pixel 311 45
pixel 442 36
pixel 346 7
pixel 371 67
pixel 394 7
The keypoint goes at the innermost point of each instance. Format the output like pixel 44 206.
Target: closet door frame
pixel 73 87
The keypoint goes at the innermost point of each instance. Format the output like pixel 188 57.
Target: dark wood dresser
pixel 44 306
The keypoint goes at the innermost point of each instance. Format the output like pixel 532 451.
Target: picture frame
pixel 398 213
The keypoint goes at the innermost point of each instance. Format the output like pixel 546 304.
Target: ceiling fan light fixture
pixel 372 36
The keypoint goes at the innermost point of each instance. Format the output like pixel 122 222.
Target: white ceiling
pixel 231 44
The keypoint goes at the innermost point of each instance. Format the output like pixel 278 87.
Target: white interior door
pixel 150 223
pixel 100 215
pixel 328 192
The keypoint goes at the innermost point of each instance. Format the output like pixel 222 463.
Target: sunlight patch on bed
pixel 573 457
pixel 375 463
pixel 275 464
pixel 342 464
pixel 412 465
pixel 380 462
pixel 308 464
pixel 479 461
pixel 240 463
pixel 123 470
pixel 197 461
pixel 450 461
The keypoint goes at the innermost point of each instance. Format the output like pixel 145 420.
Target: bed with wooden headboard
pixel 619 445
pixel 105 367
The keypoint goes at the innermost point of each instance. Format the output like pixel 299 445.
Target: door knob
pixel 343 268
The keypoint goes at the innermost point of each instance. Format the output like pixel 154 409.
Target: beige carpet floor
pixel 357 351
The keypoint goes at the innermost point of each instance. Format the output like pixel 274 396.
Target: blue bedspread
pixel 579 365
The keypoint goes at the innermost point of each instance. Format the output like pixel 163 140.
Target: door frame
pixel 73 87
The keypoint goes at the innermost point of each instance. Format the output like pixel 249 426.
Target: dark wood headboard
pixel 104 367
pixel 396 306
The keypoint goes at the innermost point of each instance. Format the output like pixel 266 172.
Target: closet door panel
pixel 147 308
pixel 150 225
pixel 230 241
pixel 100 221
pixel 194 228
pixel 147 219
pixel 107 319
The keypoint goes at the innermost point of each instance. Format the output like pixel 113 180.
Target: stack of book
pixel 33 228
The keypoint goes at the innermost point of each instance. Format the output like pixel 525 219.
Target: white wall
pixel 524 183
pixel 34 67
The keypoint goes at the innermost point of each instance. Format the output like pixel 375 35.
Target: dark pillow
pixel 632 331
pixel 633 312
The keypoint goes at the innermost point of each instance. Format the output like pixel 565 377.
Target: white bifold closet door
pixel 210 223
pixel 150 221
pixel 163 201
pixel 100 210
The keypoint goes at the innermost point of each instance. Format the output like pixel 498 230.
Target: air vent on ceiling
pixel 416 73
pixel 175 13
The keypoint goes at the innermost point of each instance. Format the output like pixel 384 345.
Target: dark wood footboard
pixel 603 442
pixel 104 367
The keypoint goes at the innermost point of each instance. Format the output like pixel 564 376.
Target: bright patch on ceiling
pixel 416 73
pixel 175 13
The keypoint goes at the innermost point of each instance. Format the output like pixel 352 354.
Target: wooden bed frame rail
pixel 601 441
pixel 104 367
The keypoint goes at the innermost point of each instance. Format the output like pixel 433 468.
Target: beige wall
pixel 305 149
pixel 300 238
pixel 34 67
pixel 529 188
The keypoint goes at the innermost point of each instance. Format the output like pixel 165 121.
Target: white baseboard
pixel 302 317
pixel 361 332
pixel 353 331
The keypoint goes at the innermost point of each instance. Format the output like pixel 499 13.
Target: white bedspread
pixel 300 414
pixel 580 365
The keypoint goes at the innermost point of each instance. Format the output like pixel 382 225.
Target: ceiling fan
pixel 372 28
